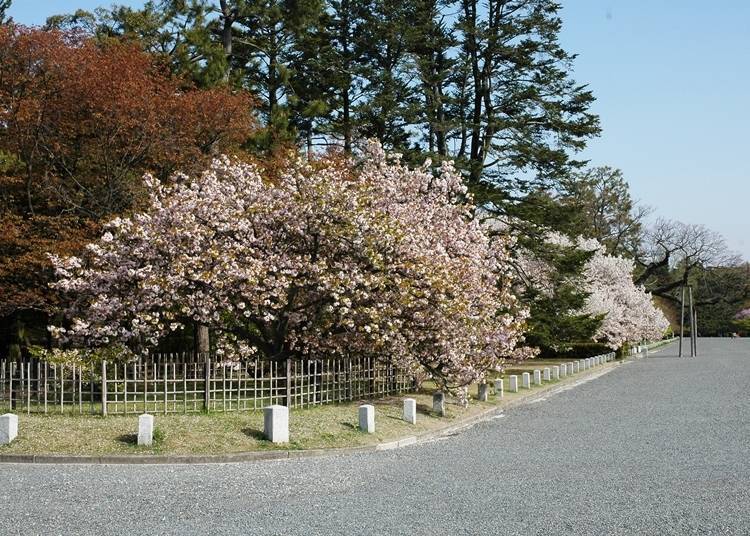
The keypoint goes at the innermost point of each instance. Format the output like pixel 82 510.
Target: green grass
pixel 319 427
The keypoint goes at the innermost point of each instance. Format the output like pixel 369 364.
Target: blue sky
pixel 671 81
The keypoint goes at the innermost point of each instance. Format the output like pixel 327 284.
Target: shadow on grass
pixel 128 439
pixel 254 433
pixel 349 425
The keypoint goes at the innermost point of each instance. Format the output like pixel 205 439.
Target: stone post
pixel 276 423
pixel 8 428
pixel 537 377
pixel 499 388
pixel 438 403
pixel 555 372
pixel 410 411
pixel 547 374
pixel 563 370
pixel 513 385
pixel 483 392
pixel 526 380
pixel 367 418
pixel 145 430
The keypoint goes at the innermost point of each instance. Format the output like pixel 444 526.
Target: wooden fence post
pixel 288 383
pixel 207 385
pixel 104 388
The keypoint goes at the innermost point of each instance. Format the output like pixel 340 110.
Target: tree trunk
pixel 201 340
pixel 228 18
pixel 15 353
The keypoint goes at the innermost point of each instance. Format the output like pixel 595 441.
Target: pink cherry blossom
pixel 628 310
pixel 326 260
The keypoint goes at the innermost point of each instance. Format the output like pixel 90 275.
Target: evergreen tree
pixel 343 67
pixel 388 108
pixel 556 324
pixel 524 112
pixel 432 41
pixel 4 6
pixel 266 49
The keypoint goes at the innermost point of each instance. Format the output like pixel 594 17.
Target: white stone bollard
pixel 410 411
pixel 547 374
pixel 581 365
pixel 367 418
pixel 499 388
pixel 8 428
pixel 276 424
pixel 537 377
pixel 145 430
pixel 576 367
pixel 483 391
pixel 513 385
pixel 438 403
pixel 563 370
pixel 555 372
pixel 570 369
pixel 526 380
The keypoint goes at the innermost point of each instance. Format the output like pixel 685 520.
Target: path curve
pixel 659 446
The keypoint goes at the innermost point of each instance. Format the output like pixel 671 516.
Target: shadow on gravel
pixel 128 439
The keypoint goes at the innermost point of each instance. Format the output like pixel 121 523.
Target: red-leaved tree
pixel 80 122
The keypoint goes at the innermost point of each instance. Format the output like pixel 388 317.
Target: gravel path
pixel 658 446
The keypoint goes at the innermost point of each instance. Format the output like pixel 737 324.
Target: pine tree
pixel 4 6
pixel 522 113
pixel 387 110
pixel 431 44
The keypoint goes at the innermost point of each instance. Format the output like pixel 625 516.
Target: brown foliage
pixel 80 122
pixel 87 119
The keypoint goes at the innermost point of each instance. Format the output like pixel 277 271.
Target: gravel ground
pixel 658 446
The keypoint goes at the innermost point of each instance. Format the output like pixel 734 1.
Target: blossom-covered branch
pixel 319 259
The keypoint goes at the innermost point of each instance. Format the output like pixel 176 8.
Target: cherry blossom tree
pixel 630 314
pixel 627 310
pixel 315 259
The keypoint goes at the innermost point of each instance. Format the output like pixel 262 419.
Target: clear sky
pixel 671 79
